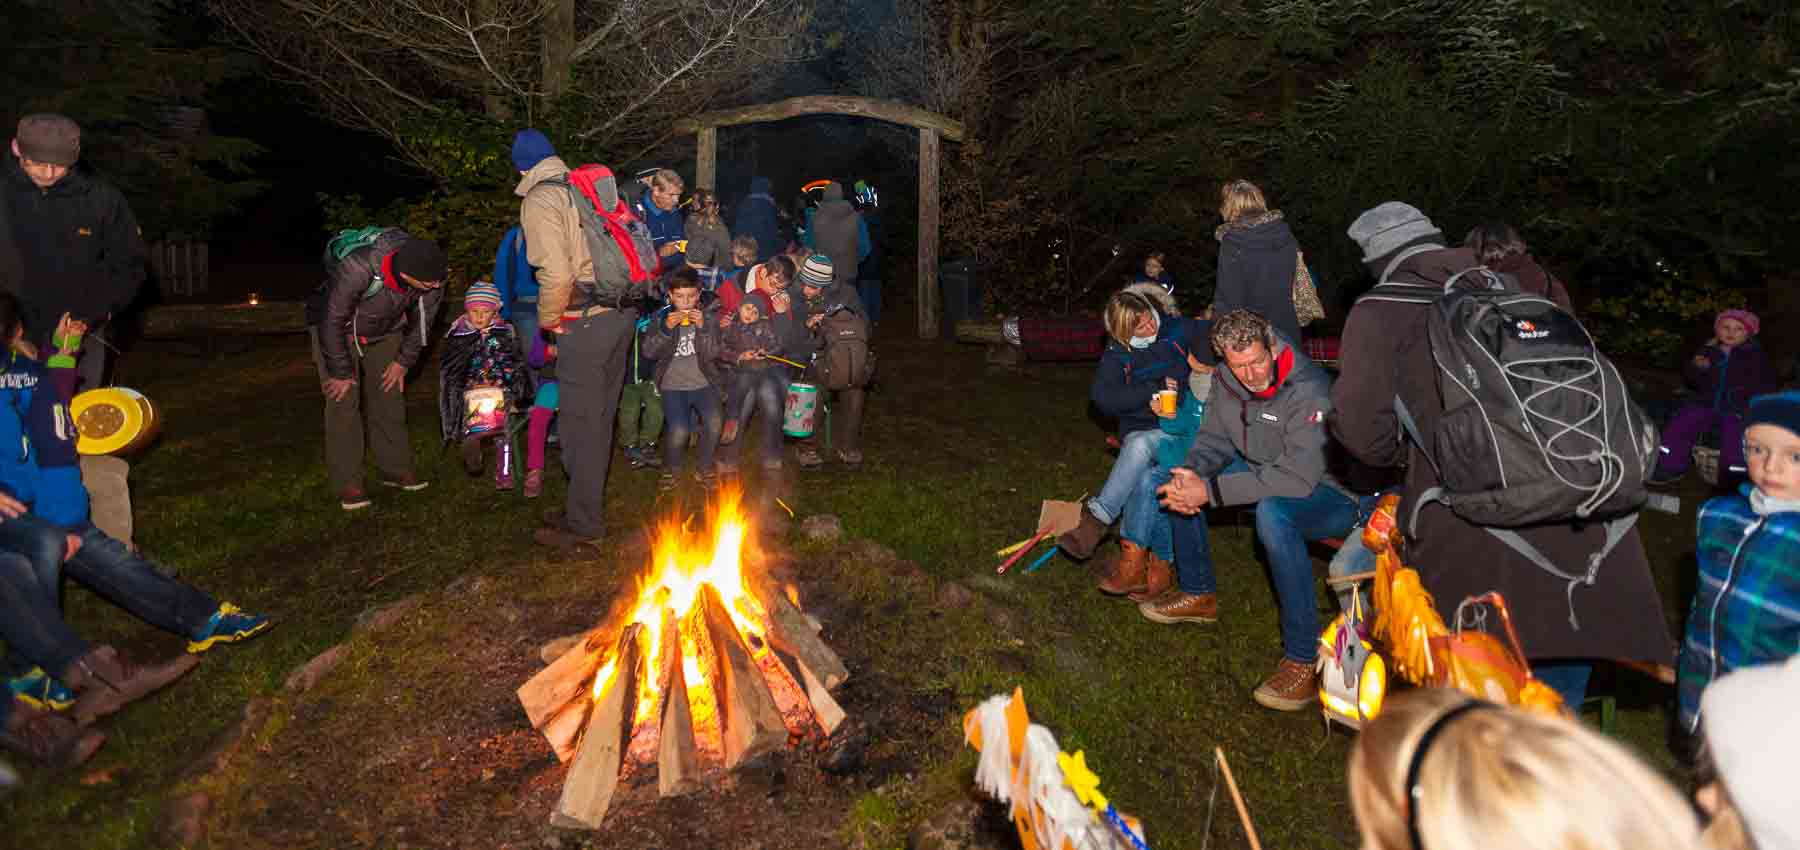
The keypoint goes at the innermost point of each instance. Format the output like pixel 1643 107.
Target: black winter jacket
pixel 1257 258
pixel 344 307
pixel 79 248
pixel 659 344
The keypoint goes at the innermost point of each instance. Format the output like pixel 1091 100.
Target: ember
pixel 712 665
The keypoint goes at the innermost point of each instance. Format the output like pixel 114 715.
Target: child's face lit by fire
pixel 1773 455
pixel 482 316
pixel 748 313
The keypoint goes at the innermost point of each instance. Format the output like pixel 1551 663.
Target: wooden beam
pixel 677 758
pixel 928 233
pixel 706 158
pixel 594 775
pixel 827 104
pixel 752 723
pixel 980 332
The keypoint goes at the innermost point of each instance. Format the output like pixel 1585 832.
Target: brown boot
pixel 1292 687
pixel 1158 578
pixel 1080 541
pixel 1182 607
pixel 104 682
pixel 1127 574
pixel 48 738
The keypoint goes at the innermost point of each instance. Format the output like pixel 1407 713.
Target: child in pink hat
pixel 1729 370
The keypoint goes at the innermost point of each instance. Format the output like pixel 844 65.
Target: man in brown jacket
pixel 592 340
pixel 1386 355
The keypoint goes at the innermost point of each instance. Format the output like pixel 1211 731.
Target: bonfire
pixel 711 665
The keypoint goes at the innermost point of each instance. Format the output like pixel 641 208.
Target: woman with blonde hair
pixel 1258 258
pixel 708 240
pixel 1441 771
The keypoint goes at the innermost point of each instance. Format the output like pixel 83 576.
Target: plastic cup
pixel 1165 402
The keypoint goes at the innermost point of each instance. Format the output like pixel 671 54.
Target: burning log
pixel 791 632
pixel 550 697
pixel 825 709
pixel 677 758
pixel 752 724
pixel 594 774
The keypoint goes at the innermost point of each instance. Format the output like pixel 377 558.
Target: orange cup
pixel 1165 402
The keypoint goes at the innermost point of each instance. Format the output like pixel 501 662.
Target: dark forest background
pixel 1644 147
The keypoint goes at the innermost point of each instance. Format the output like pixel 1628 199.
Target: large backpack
pixel 342 245
pixel 623 254
pixel 847 360
pixel 1537 425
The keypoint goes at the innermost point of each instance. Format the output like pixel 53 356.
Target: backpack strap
pixel 1615 532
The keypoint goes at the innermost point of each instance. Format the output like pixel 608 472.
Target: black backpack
pixel 847 360
pixel 1537 425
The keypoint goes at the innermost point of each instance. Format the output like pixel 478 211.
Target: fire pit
pixel 713 664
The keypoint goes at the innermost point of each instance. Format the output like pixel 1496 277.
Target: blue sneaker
pixel 38 690
pixel 228 625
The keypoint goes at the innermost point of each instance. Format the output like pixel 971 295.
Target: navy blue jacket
pixel 1128 377
pixel 757 216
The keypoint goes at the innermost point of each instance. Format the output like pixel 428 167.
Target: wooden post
pixel 706 158
pixel 594 774
pixel 929 147
pixel 752 723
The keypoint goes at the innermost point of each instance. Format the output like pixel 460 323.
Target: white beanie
pixel 1749 717
pixel 1384 229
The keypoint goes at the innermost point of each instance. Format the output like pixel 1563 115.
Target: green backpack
pixel 350 240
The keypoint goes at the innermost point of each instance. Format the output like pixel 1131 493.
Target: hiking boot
pixel 1292 687
pixel 1182 607
pixel 104 682
pixel 1158 578
pixel 38 690
pixel 1127 573
pixel 665 482
pixel 534 483
pixel 48 738
pixel 810 459
pixel 653 456
pixel 229 624
pixel 634 457
pixel 1080 541
pixel 471 457
pixel 408 482
pixel 353 499
pixel 852 459
pixel 729 434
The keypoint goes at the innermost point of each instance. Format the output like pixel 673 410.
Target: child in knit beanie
pixel 1724 375
pixel 1746 607
pixel 481 376
pixel 1752 743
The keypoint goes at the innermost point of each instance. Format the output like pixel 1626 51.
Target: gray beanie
pixel 1382 230
pixel 1748 716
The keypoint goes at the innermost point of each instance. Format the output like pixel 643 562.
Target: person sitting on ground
pixel 1729 370
pixel 1386 355
pixel 542 360
pixel 369 322
pixel 1258 259
pixel 1145 532
pixel 709 244
pixel 1149 342
pixel 1156 271
pixel 758 380
pixel 481 356
pixel 1263 443
pixel 833 314
pixel 684 341
pixel 1499 247
pixel 1744 772
pixel 1439 771
pixel 1746 608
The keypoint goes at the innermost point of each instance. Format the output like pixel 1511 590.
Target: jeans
pixel 676 416
pixel 1145 522
pixel 759 394
pixel 1136 453
pixel 32 625
pixel 128 580
pixel 1353 557
pixel 1566 676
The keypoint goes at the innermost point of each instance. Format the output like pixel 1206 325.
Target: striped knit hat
pixel 481 293
pixel 816 271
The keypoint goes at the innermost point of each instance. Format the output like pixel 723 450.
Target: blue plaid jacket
pixel 1747 600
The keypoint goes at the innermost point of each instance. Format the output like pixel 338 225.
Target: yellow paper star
pixel 1081 780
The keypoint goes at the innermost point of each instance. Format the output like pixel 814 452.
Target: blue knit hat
pixel 816 271
pixel 530 147
pixel 482 293
pixel 1780 409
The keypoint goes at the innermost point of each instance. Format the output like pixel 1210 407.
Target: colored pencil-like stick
pixel 1021 553
pixel 1001 553
pixel 1042 560
pixel 1231 785
pixel 784 360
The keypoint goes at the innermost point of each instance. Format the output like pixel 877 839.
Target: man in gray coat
pixel 1263 443
pixel 839 232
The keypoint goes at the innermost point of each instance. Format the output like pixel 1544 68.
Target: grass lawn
pixel 415 739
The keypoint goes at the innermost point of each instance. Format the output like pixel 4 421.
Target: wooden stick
pixel 594 774
pixel 1007 565
pixel 677 760
pixel 1352 578
pixel 792 633
pixel 752 722
pixel 545 694
pixel 784 360
pixel 825 709
pixel 1243 811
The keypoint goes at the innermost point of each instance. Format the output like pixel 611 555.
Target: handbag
pixel 1307 306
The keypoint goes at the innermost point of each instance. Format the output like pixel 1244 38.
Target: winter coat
pixel 1127 377
pixel 839 295
pixel 12 269
pixel 659 341
pixel 1533 278
pixel 666 226
pixel 1385 353
pixel 79 248
pixel 1746 607
pixel 739 338
pixel 513 274
pixel 554 244
pixel 870 268
pixel 46 473
pixel 758 216
pixel 708 245
pixel 839 232
pixel 1731 378
pixel 1257 257
pixel 472 357
pixel 1281 435
pixel 362 299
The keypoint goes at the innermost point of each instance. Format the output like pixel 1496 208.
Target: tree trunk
pixel 559 46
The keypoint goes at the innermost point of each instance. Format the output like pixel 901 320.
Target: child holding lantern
pixel 480 377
